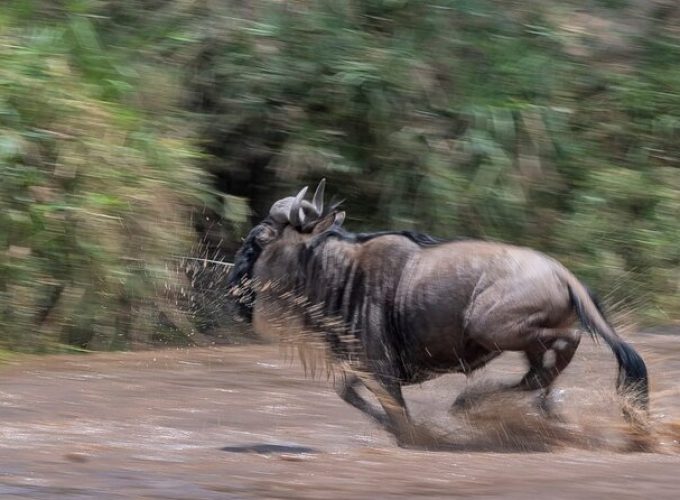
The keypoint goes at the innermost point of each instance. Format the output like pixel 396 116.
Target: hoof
pixel 417 436
pixel 545 404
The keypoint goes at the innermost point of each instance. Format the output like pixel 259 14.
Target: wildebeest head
pixel 290 220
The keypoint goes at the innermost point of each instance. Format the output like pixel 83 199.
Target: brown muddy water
pixel 243 422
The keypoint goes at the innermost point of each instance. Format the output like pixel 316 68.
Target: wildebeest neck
pixel 348 284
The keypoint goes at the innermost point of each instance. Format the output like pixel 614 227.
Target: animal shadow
pixel 268 449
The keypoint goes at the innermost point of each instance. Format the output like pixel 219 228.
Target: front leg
pixel 399 423
pixel 347 391
pixel 395 417
pixel 391 399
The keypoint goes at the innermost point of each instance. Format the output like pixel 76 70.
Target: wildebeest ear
pixel 339 218
pixel 332 219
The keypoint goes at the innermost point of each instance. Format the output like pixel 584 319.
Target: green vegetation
pixel 528 122
pixel 94 195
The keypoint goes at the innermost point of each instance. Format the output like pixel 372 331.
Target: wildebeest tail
pixel 633 379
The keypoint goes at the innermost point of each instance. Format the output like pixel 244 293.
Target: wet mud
pixel 245 422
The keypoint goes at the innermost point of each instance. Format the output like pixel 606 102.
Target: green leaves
pixel 93 193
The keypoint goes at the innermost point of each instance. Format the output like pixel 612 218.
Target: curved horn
pixel 281 209
pixel 296 215
pixel 310 209
pixel 318 196
pixel 314 209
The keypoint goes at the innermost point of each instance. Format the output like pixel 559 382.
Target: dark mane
pixel 421 239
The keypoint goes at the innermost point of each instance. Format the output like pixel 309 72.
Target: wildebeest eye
pixel 265 235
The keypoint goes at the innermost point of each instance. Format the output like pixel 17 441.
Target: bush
pixel 94 199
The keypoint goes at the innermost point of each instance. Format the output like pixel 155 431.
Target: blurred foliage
pixel 529 122
pixel 547 124
pixel 94 195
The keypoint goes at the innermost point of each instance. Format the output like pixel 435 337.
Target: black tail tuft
pixel 633 380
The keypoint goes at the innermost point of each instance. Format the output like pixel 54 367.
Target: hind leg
pixel 548 352
pixel 546 361
pixel 467 398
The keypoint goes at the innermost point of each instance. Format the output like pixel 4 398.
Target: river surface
pixel 245 422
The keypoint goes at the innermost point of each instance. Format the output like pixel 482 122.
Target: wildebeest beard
pixel 240 279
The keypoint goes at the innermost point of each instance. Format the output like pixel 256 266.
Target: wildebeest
pixel 399 308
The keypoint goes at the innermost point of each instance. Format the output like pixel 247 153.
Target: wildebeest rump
pixel 398 308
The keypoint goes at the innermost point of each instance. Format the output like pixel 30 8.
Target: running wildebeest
pixel 400 308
